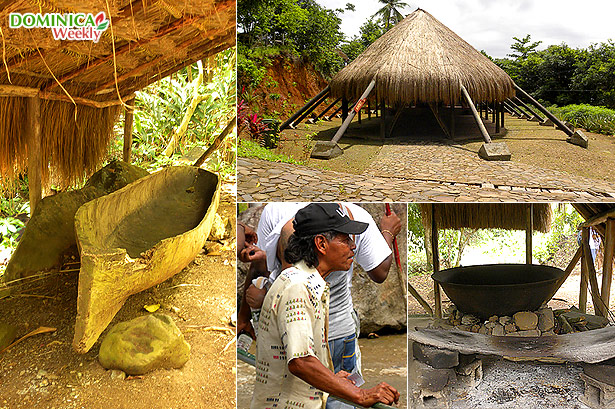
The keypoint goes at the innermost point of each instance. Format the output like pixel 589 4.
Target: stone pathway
pixel 429 179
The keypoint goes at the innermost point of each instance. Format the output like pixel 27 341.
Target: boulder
pixel 525 320
pixel 7 334
pixel 470 319
pixel 546 321
pixel 143 344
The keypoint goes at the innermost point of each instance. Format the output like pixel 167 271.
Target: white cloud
pixel 490 25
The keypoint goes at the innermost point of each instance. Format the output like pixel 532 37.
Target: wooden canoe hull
pixel 136 238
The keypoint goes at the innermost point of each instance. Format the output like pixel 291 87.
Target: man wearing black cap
pixel 293 366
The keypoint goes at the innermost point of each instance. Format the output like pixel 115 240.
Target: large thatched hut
pixel 59 98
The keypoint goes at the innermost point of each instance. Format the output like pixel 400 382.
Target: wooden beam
pixel 128 118
pixel 35 155
pixel 582 209
pixel 529 230
pixel 599 218
pixel 357 107
pixel 498 106
pixel 395 119
pixel 328 108
pixel 434 110
pixel 17 91
pixel 527 107
pixel 383 123
pixel 607 265
pixel 452 126
pixel 502 114
pixel 369 109
pixel 344 108
pixel 591 273
pixel 584 284
pixel 545 111
pixel 308 111
pixel 216 143
pixel 305 107
pixel 477 117
pixel 519 109
pixel 435 263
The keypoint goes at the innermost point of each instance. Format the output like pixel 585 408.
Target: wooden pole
pixel 479 121
pixel 369 110
pixel 304 108
pixel 584 280
pixel 607 265
pixel 452 126
pixel 591 273
pixel 519 109
pixel 435 263
pixel 35 155
pixel 529 230
pixel 309 110
pixel 493 112
pixel 383 124
pixel 328 108
pixel 128 119
pixel 344 109
pixel 357 107
pixel 545 111
pixel 216 143
pixel 527 107
pixel 497 107
pixel 502 114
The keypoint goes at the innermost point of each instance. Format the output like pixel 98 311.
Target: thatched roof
pixel 421 60
pixel 145 41
pixel 509 216
pixel 592 211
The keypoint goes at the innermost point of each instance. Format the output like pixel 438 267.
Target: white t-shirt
pixel 372 249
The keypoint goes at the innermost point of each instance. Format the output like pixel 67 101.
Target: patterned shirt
pixel 293 324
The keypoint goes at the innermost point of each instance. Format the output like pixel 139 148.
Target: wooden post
pixel 545 111
pixel 516 109
pixel 502 114
pixel 583 289
pixel 493 112
pixel 328 108
pixel 357 107
pixel 497 117
pixel 344 108
pixel 529 109
pixel 591 273
pixel 452 126
pixel 383 124
pixel 369 110
pixel 477 117
pixel 435 263
pixel 128 118
pixel 398 112
pixel 529 230
pixel 607 265
pixel 309 110
pixel 35 155
pixel 359 116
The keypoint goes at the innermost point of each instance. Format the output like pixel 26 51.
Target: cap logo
pixel 339 211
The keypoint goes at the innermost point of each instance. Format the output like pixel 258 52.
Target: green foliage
pixel 300 28
pixel 251 149
pixel 161 106
pixel 594 119
pixel 9 230
pixel 523 47
pixel 390 13
pixel 416 232
pixel 564 223
pixel 370 31
pixel 241 207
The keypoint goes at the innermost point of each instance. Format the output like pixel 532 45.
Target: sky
pixel 490 25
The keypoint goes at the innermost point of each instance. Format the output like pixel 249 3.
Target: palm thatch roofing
pixel 420 60
pixel 84 84
pixel 596 211
pixel 508 216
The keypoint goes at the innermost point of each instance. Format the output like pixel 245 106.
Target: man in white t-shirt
pixel 373 254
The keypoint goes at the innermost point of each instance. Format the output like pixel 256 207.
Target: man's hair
pixel 304 249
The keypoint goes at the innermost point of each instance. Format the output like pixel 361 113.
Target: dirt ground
pixel 44 371
pixel 529 143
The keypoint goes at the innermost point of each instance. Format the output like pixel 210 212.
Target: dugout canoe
pixel 137 237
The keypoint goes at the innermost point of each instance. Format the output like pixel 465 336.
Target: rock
pixel 470 319
pixel 220 229
pixel 493 318
pixel 475 328
pixel 528 333
pixel 498 330
pixel 470 374
pixel 510 327
pixel 117 374
pixel 591 321
pixel 464 327
pixel 441 323
pixel 548 333
pixel 450 310
pixel 490 324
pixel 425 377
pixel 144 344
pixel 484 330
pixel 546 321
pixel 525 320
pixel 505 320
pixel 7 334
pixel 435 357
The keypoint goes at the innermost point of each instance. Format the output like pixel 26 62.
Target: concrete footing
pixel 578 138
pixel 326 150
pixel 494 151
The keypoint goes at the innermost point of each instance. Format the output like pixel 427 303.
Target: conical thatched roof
pixel 509 216
pixel 422 60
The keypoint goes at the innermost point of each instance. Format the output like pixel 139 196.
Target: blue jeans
pixel 344 357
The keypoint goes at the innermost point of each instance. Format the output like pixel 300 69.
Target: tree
pixel 523 47
pixel 390 12
pixel 370 32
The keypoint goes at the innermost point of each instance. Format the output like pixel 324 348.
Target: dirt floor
pixel 43 371
pixel 529 143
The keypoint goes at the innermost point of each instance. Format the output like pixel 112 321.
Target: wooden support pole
pixel 35 155
pixel 591 274
pixel 128 119
pixel 502 114
pixel 493 112
pixel 398 112
pixel 599 219
pixel 519 109
pixel 528 108
pixel 383 123
pixel 434 109
pixel 435 263
pixel 497 107
pixel 328 108
pixel 452 125
pixel 545 111
pixel 479 121
pixel 512 109
pixel 357 107
pixel 584 281
pixel 344 109
pixel 420 299
pixel 304 108
pixel 369 110
pixel 217 142
pixel 607 265
pixel 309 110
pixel 529 230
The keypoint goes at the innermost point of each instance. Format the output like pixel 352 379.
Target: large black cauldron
pixel 500 289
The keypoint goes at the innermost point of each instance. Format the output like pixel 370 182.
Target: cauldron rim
pixel 560 272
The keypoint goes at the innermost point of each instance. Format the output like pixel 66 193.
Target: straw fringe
pixel 420 60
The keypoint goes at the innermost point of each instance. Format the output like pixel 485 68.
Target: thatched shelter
pixel 59 99
pixel 420 60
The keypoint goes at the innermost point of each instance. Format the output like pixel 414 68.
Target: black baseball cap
pixel 317 218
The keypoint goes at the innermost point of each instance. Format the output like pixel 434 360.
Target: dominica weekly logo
pixel 69 26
